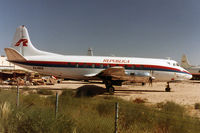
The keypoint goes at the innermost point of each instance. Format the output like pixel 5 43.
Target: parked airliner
pixel 111 70
pixel 194 70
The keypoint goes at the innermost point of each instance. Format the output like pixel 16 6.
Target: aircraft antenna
pixel 90 52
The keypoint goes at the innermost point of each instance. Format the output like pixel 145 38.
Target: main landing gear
pixel 109 87
pixel 167 89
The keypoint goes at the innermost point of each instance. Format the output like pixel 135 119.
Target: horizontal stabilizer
pixel 13 55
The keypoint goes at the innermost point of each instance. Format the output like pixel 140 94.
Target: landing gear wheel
pixel 111 90
pixel 167 89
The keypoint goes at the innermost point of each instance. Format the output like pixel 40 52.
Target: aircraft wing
pixel 118 73
pixel 114 72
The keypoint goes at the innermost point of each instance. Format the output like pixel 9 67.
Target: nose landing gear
pixel 167 89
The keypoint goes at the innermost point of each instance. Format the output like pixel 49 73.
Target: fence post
pixel 56 105
pixel 116 116
pixel 17 102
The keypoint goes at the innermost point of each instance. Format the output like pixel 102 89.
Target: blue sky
pixel 134 28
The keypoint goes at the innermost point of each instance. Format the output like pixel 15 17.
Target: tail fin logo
pixel 23 41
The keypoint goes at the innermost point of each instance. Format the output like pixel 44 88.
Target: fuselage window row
pixel 84 65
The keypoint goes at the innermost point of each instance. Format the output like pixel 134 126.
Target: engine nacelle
pixel 139 74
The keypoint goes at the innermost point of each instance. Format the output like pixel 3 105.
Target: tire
pixel 111 90
pixel 167 89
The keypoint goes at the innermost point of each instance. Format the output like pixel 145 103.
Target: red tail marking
pixel 24 41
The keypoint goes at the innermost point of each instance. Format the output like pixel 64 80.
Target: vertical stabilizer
pixel 22 43
pixel 184 62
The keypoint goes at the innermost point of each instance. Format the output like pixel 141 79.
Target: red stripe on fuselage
pixel 106 64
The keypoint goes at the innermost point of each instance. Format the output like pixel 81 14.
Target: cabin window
pixel 125 66
pixel 85 65
pixel 93 65
pixel 101 65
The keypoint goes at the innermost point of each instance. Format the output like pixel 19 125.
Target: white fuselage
pixel 83 67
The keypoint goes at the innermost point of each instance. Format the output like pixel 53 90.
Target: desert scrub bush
pixel 197 106
pixel 49 101
pixel 37 120
pixel 32 99
pixel 172 107
pixel 173 118
pixel 25 88
pixel 13 87
pixel 67 98
pixel 136 114
pixel 90 122
pixel 139 100
pixel 67 93
pixel 8 96
pixel 170 117
pixel 44 92
pixel 106 108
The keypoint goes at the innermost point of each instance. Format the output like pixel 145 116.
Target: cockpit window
pixel 173 63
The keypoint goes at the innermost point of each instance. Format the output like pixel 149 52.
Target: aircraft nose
pixel 189 76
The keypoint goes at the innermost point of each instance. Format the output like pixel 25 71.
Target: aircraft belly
pixel 72 73
pixel 158 75
pixel 163 76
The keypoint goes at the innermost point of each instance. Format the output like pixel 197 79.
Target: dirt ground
pixel 185 93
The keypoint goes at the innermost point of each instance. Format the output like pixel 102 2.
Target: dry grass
pixel 5 110
pixel 91 114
